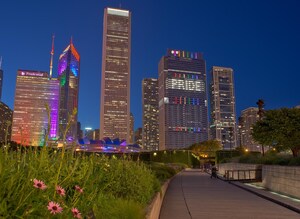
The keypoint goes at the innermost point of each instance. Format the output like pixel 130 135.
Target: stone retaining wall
pixel 153 209
pixel 282 179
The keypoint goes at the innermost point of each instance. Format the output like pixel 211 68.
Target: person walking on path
pixel 214 172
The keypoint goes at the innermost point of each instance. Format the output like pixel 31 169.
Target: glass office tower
pixel 68 76
pixel 183 118
pixel 150 114
pixel 115 81
pixel 223 116
pixel 34 90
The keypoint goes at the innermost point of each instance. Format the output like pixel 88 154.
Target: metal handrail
pixel 243 175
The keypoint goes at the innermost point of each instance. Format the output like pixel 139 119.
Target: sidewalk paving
pixel 193 194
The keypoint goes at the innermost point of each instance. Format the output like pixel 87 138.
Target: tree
pixel 280 128
pixel 206 148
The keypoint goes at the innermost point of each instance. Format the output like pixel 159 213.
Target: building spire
pixel 51 58
pixel 71 40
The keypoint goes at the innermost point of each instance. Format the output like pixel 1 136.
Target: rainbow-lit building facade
pixel 68 76
pixel 182 95
pixel 34 89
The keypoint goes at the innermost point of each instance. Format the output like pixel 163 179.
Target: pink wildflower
pixel 39 184
pixel 60 191
pixel 54 208
pixel 76 213
pixel 77 188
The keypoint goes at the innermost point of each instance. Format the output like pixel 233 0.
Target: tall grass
pixel 112 188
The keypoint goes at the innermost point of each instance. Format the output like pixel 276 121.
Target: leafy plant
pixel 98 176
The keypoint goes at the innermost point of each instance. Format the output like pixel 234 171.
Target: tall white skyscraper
pixel 115 82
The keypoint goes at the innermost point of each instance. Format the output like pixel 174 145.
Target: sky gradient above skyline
pixel 260 40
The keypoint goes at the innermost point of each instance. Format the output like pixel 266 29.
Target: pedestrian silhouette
pixel 214 172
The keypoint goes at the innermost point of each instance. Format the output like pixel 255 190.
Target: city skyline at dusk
pixel 258 40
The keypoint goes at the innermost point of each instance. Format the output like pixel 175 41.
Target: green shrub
pixel 295 161
pixel 165 171
pixel 270 159
pixel 115 208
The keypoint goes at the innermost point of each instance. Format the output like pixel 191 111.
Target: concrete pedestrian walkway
pixel 194 195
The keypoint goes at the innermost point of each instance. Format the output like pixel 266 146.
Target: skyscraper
pixel 115 82
pixel 79 131
pixel 183 118
pixel 131 136
pixel 223 116
pixel 1 78
pixel 5 119
pixel 150 114
pixel 68 76
pixel 96 134
pixel 138 136
pixel 249 117
pixel 34 89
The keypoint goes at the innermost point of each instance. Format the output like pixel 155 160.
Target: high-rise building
pixel 1 78
pixel 115 82
pixel 79 131
pixel 138 137
pixel 68 76
pixel 131 137
pixel 35 90
pixel 183 118
pixel 150 114
pixel 96 134
pixel 248 117
pixel 88 133
pixel 223 116
pixel 5 122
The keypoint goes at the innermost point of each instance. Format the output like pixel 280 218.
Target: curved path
pixel 194 195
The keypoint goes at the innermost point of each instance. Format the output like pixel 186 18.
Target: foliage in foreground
pixel 33 182
pixel 270 159
pixel 280 129
pixel 164 171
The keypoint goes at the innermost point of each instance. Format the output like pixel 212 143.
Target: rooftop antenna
pixel 71 41
pixel 51 58
pixel 0 62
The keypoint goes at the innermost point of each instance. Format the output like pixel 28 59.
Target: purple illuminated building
pixel 68 76
pixel 34 89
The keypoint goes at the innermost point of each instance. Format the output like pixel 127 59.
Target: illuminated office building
pixel 223 116
pixel 131 136
pixel 183 118
pixel 248 118
pixel 96 134
pixel 138 136
pixel 88 133
pixel 5 122
pixel 115 82
pixel 68 76
pixel 150 114
pixel 1 78
pixel 34 90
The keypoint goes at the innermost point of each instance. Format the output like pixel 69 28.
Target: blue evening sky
pixel 259 39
